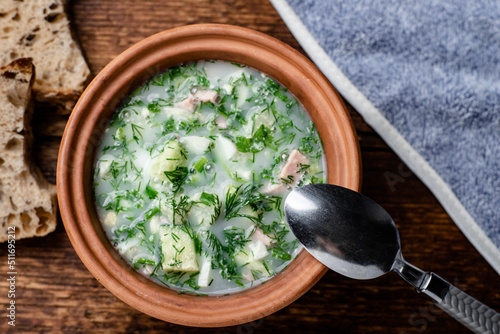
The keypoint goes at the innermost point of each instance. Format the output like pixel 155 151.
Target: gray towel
pixel 426 76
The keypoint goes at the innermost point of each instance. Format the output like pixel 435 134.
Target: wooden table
pixel 57 294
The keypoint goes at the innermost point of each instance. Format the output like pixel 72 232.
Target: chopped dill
pixel 235 207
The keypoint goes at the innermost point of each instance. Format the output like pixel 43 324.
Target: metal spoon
pixel 354 236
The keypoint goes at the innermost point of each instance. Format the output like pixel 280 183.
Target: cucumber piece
pixel 178 250
pixel 264 117
pixel 167 161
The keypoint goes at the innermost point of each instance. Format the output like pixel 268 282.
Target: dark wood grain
pixel 55 293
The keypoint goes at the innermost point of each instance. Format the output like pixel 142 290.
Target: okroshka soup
pixel 192 172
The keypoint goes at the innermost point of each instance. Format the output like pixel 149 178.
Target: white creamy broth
pixel 192 172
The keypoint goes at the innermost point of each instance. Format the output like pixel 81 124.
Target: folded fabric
pixel 426 76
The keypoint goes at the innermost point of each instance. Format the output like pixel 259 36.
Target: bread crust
pixel 28 203
pixel 40 29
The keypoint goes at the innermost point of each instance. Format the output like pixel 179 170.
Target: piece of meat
pixel 274 188
pixel 258 235
pixel 289 174
pixel 206 95
pixel 190 103
pixel 291 170
pixel 221 122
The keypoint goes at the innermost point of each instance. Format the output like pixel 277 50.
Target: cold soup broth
pixel 192 172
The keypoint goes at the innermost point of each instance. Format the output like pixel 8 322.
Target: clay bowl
pixel 91 115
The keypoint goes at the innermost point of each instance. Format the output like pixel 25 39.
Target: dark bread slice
pixel 28 203
pixel 40 29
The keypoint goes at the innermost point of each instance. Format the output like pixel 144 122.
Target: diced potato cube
pixel 233 161
pixel 154 224
pixel 178 250
pixel 225 147
pixel 258 249
pixel 195 144
pixel 110 218
pixel 206 269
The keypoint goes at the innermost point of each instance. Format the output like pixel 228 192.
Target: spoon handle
pixel 478 317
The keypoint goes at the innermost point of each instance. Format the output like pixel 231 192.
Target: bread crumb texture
pixel 40 29
pixel 28 203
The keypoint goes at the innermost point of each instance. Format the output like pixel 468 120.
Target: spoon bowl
pixel 363 244
pixel 354 236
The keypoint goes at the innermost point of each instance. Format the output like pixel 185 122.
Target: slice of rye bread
pixel 40 29
pixel 28 203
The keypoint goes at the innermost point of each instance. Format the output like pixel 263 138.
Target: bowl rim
pixel 88 120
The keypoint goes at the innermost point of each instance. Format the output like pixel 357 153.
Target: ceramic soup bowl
pixel 91 116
